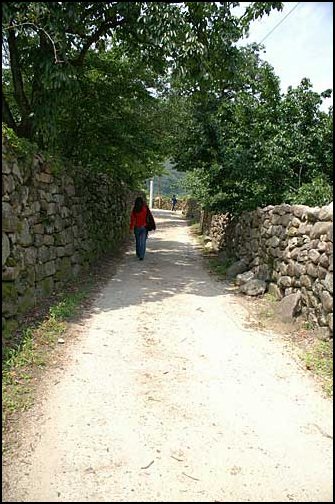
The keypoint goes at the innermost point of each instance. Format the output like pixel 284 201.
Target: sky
pixel 300 46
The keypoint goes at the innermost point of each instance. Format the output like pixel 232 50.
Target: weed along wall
pixel 52 227
pixel 290 247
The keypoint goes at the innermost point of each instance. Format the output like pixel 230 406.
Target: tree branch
pixel 103 28
pixel 45 33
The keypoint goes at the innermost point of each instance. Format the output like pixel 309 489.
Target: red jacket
pixel 138 219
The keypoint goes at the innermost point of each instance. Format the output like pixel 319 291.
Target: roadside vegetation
pixel 319 360
pixel 22 361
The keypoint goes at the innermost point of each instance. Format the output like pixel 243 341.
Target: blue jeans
pixel 141 240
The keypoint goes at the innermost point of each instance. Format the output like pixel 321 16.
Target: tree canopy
pixel 93 72
pixel 257 146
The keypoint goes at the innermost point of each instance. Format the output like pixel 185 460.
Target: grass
pixel 215 266
pixel 195 226
pixel 269 301
pixel 196 231
pixel 319 359
pixel 32 353
pixel 220 267
pixel 270 298
pixel 67 307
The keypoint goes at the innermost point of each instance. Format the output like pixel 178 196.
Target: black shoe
pixel 141 258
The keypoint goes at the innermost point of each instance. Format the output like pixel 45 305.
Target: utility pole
pixel 151 193
pixel 159 193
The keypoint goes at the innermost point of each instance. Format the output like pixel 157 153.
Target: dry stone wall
pixel 164 203
pixel 291 247
pixel 188 206
pixel 53 226
pixel 190 209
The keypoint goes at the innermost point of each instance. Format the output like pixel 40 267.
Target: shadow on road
pixel 173 265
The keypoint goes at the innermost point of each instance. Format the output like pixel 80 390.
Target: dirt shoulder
pixel 25 378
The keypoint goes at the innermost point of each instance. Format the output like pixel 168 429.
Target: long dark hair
pixel 138 205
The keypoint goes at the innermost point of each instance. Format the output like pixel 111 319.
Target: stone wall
pixel 53 226
pixel 164 203
pixel 188 206
pixel 190 209
pixel 291 247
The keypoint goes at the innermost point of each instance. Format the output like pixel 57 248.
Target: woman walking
pixel 138 222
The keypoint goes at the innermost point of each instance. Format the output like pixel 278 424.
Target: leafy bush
pixel 20 146
pixel 318 192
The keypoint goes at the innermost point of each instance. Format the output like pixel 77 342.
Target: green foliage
pixel 19 146
pixel 318 192
pixel 83 78
pixel 219 267
pixel 258 148
pixel 32 352
pixel 170 182
pixel 67 307
pixel 197 183
pixel 114 122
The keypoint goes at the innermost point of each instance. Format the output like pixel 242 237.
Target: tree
pixel 59 54
pixel 47 42
pixel 171 181
pixel 254 147
pixel 113 122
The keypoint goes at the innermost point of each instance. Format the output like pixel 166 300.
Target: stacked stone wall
pixel 53 226
pixel 291 247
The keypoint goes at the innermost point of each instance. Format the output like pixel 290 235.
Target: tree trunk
pixel 7 115
pixel 25 127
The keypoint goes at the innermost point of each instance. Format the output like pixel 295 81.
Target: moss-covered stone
pixel 5 248
pixel 26 301
pixel 10 222
pixel 9 298
pixel 24 236
pixel 51 215
pixel 11 262
pixel 9 326
pixel 30 275
pixel 58 239
pixel 64 270
pixel 44 287
pixel 10 273
pixel 8 290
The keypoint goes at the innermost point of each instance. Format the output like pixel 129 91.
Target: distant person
pixel 174 202
pixel 138 222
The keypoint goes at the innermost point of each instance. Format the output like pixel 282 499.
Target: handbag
pixel 151 225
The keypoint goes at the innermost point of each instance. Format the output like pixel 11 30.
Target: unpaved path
pixel 166 396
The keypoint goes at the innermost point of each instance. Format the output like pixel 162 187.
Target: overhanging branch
pixel 103 28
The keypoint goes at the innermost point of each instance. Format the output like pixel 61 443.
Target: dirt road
pixel 168 397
